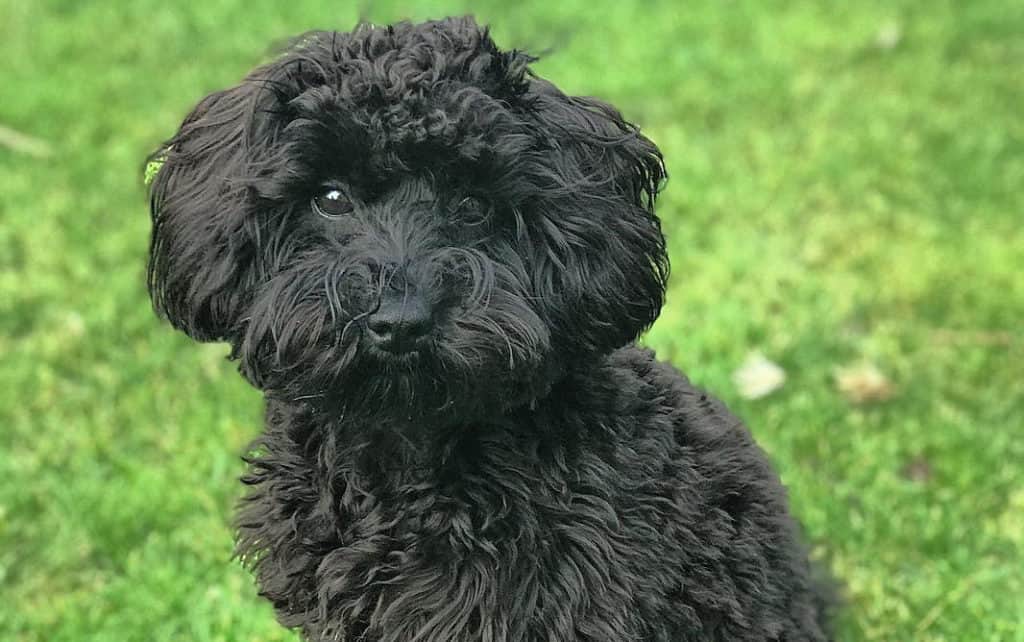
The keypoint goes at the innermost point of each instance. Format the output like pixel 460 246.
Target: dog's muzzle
pixel 401 323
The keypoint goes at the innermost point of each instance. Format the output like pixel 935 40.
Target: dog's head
pixel 405 219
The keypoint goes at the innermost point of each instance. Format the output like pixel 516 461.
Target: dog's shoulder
pixel 671 387
pixel 698 420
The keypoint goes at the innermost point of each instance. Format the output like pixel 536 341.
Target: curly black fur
pixel 522 472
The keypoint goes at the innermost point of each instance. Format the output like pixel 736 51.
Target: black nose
pixel 400 322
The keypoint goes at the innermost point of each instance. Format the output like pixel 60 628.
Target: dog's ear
pixel 205 236
pixel 603 261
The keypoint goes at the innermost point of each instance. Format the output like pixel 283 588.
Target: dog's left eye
pixel 471 210
pixel 332 204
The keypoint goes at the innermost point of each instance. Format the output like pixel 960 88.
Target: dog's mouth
pixel 406 358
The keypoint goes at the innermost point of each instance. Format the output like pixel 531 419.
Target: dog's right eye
pixel 332 204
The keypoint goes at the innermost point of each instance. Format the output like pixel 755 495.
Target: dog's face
pixel 405 221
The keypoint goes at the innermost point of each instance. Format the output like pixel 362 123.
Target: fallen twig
pixel 23 143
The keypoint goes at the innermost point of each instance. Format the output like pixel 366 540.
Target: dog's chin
pixel 425 386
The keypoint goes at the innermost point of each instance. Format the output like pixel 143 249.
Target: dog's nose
pixel 399 323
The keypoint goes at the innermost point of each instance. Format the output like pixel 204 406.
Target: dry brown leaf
pixel 918 469
pixel 863 383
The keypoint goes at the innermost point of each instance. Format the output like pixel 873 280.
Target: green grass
pixel 846 186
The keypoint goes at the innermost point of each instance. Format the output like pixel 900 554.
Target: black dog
pixel 435 264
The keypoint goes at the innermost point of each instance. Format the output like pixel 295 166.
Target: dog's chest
pixel 508 541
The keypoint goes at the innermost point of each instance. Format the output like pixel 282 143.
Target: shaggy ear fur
pixel 205 235
pixel 602 259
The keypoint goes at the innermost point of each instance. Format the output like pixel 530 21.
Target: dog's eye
pixel 332 204
pixel 471 210
pixel 468 203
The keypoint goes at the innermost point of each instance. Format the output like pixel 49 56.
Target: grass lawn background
pixel 846 188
